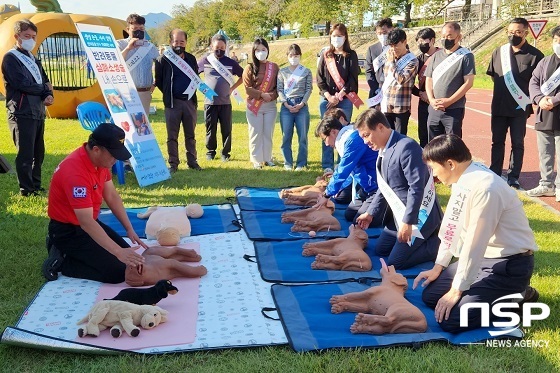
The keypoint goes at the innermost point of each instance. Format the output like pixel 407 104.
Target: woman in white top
pixel 294 85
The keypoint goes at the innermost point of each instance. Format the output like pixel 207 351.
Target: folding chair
pixel 91 114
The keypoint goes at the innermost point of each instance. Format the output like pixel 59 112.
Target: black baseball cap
pixel 111 138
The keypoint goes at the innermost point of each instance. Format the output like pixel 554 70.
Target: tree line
pixel 245 19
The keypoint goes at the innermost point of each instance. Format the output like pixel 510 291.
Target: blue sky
pixel 114 8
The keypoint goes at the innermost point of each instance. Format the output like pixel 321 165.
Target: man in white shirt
pixel 486 228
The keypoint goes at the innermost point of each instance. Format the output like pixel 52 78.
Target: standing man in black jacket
pixel 173 83
pixel 28 91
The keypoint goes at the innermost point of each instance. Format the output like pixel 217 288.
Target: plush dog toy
pixel 151 295
pixel 382 309
pixel 168 225
pixel 344 254
pixel 119 315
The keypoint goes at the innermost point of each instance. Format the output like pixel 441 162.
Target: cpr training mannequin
pixel 119 315
pixel 345 254
pixel 305 195
pixel 382 309
pixel 164 262
pixel 312 219
pixel 168 225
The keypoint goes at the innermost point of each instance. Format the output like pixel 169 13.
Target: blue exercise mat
pixel 281 261
pixel 268 226
pixel 216 219
pixel 305 312
pixel 265 199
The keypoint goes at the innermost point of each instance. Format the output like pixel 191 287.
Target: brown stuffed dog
pixel 119 315
pixel 168 225
pixel 312 219
pixel 345 254
pixel 305 195
pixel 382 309
pixel 164 262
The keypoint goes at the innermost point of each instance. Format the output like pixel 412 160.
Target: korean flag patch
pixel 80 192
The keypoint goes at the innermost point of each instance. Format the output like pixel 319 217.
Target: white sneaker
pixel 257 165
pixel 301 168
pixel 557 194
pixel 541 191
pixel 269 164
pixel 287 167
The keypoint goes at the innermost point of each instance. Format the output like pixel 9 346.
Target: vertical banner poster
pixel 124 103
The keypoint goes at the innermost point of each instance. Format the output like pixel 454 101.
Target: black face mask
pixel 515 40
pixel 424 47
pixel 219 53
pixel 179 50
pixel 448 44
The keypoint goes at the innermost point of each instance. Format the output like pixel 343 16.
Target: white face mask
pixel 382 38
pixel 294 61
pixel 337 41
pixel 28 44
pixel 261 55
pixel 556 48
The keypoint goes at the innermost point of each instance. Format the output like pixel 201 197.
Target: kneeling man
pixel 486 228
pixel 80 245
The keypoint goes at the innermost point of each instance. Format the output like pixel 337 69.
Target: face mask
pixel 337 41
pixel 515 40
pixel 382 38
pixel 294 61
pixel 261 55
pixel 556 48
pixel 219 53
pixel 28 44
pixel 448 44
pixel 424 47
pixel 179 50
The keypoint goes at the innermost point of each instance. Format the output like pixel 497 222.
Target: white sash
pixel 224 72
pixel 518 95
pixel 196 82
pixel 30 64
pixel 341 138
pixel 453 219
pixel 293 79
pixel 379 61
pixel 447 63
pixel 551 84
pixel 138 56
pixel 401 64
pixel 398 208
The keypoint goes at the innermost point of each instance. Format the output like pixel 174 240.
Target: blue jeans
pixel 300 121
pixel 327 158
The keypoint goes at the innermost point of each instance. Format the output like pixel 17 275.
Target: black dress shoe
pixel 196 167
pixel 172 169
pixel 53 263
pixel 29 193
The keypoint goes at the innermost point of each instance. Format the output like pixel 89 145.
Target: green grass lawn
pixel 23 226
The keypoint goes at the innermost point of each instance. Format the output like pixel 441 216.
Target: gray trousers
pixel 182 111
pixel 548 143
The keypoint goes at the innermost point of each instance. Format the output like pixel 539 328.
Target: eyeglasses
pixel 516 32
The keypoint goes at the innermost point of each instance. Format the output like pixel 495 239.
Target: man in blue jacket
pixel 357 161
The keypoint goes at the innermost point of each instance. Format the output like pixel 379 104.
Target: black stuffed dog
pixel 151 295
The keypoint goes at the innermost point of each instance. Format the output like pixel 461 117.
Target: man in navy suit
pixel 410 209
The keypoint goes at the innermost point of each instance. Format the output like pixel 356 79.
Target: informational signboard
pixel 124 103
pixel 537 27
